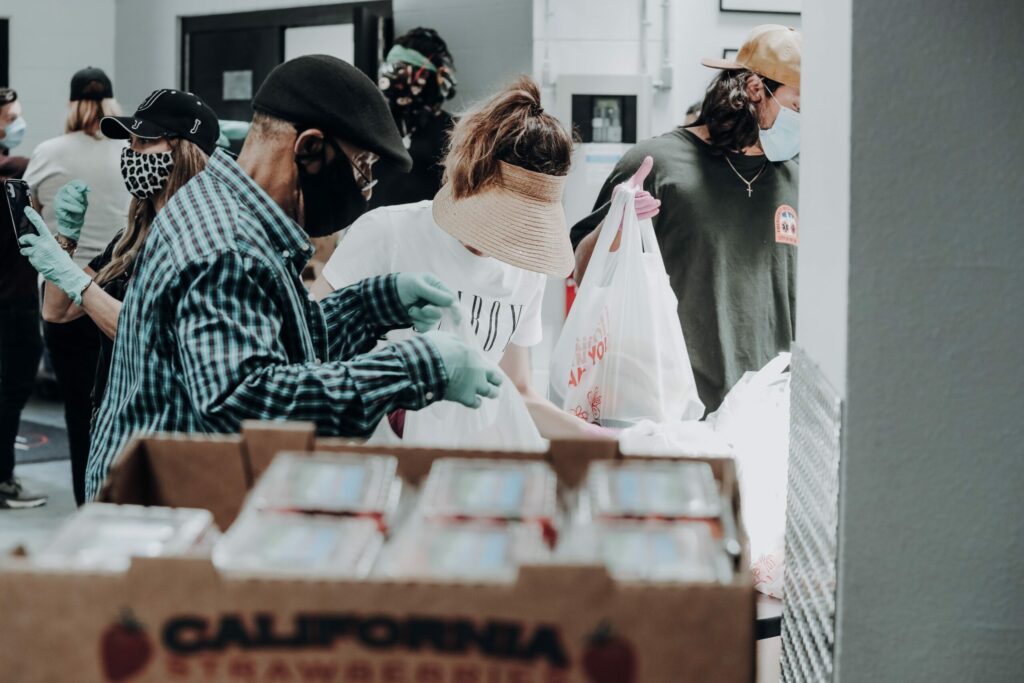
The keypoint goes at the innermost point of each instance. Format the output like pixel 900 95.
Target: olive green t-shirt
pixel 731 258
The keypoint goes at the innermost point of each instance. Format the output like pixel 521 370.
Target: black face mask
pixel 331 198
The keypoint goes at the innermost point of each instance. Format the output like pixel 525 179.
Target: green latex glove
pixel 426 298
pixel 231 131
pixel 470 375
pixel 234 130
pixel 69 207
pixel 52 262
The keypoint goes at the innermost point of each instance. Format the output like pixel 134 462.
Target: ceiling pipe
pixel 664 79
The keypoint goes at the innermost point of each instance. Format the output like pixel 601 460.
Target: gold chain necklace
pixel 748 183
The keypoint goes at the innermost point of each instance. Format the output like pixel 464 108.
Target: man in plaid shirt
pixel 217 327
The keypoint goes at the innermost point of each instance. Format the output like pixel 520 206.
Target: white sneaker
pixel 13 496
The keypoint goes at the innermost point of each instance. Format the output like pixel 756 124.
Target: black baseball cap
pixel 167 114
pixel 83 88
pixel 320 91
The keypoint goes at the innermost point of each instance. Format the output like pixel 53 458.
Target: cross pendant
pixel 750 192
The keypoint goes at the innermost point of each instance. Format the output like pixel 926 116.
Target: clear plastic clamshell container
pixel 682 551
pixel 102 536
pixel 671 489
pixel 298 544
pixel 509 490
pixel 463 551
pixel 330 483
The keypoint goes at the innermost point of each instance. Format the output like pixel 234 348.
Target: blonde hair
pixel 510 127
pixel 85 115
pixel 189 160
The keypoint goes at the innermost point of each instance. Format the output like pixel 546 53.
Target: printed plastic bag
pixel 621 357
pixel 499 424
pixel 754 417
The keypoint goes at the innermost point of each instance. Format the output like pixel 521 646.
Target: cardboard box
pixel 555 624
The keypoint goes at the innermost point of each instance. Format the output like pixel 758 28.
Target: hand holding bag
pixel 621 357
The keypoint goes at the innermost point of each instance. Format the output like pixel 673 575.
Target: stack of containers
pixel 323 515
pixel 477 520
pixel 104 537
pixel 654 520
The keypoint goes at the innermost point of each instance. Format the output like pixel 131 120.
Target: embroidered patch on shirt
pixel 786 226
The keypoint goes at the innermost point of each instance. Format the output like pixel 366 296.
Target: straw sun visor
pixel 518 220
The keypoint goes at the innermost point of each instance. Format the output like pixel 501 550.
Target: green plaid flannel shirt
pixel 217 328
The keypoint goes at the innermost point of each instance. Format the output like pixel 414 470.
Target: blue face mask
pixel 14 133
pixel 781 142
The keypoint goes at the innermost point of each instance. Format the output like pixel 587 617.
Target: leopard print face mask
pixel 145 175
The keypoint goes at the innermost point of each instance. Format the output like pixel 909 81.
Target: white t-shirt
pixel 97 163
pixel 502 302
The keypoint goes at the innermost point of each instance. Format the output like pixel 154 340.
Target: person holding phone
pixel 84 155
pixel 20 342
pixel 166 148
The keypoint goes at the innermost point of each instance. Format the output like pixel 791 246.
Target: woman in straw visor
pixel 493 233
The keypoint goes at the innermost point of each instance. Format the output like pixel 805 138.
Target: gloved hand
pixel 645 204
pixel 470 375
pixel 425 298
pixel 52 262
pixel 69 207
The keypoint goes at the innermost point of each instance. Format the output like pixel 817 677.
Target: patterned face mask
pixel 145 175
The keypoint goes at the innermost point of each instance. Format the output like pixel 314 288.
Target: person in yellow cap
pixel 728 225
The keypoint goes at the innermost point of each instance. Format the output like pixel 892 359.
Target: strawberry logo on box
pixel 125 649
pixel 609 657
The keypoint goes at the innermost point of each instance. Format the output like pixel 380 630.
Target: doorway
pixel 225 57
pixel 4 53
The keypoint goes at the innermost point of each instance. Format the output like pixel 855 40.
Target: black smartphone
pixel 18 197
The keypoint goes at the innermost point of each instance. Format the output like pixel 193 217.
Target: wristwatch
pixel 67 244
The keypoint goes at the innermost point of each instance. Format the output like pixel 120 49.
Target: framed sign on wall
pixel 761 6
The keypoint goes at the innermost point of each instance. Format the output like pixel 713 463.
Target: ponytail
pixel 728 112
pixel 510 127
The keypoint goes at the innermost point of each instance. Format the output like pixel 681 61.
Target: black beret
pixel 320 91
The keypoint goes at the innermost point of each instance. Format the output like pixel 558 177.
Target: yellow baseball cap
pixel 771 50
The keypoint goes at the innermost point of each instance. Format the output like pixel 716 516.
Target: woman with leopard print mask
pixel 171 137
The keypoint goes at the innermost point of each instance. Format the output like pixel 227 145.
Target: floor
pixel 32 528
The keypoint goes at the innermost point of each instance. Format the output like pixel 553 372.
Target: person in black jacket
pixel 417 77
pixel 20 342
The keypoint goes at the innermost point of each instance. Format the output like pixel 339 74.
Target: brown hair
pixel 510 127
pixel 188 161
pixel 85 115
pixel 731 117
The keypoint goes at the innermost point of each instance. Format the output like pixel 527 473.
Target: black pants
pixel 20 347
pixel 74 348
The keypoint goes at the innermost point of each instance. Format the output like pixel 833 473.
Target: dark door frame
pixel 5 53
pixel 317 15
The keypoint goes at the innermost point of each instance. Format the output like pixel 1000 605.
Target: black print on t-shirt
pixel 489 319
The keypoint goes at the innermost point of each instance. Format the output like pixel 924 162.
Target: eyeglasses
pixel 362 171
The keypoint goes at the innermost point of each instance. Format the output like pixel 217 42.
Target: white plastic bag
pixel 621 357
pixel 499 424
pixel 692 437
pixel 754 418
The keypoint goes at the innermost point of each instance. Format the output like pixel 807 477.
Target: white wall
pixel 49 41
pixel 595 38
pixel 490 39
pixel 932 512
pixel 823 257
